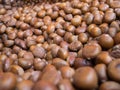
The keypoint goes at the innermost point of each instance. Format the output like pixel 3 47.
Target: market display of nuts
pixel 59 44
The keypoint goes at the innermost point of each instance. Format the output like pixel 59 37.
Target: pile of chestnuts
pixel 59 44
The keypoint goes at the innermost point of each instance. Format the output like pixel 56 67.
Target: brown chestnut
pixel 116 38
pixel 91 50
pixel 113 70
pixel 85 78
pixel 106 41
pixel 109 85
pixel 104 57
